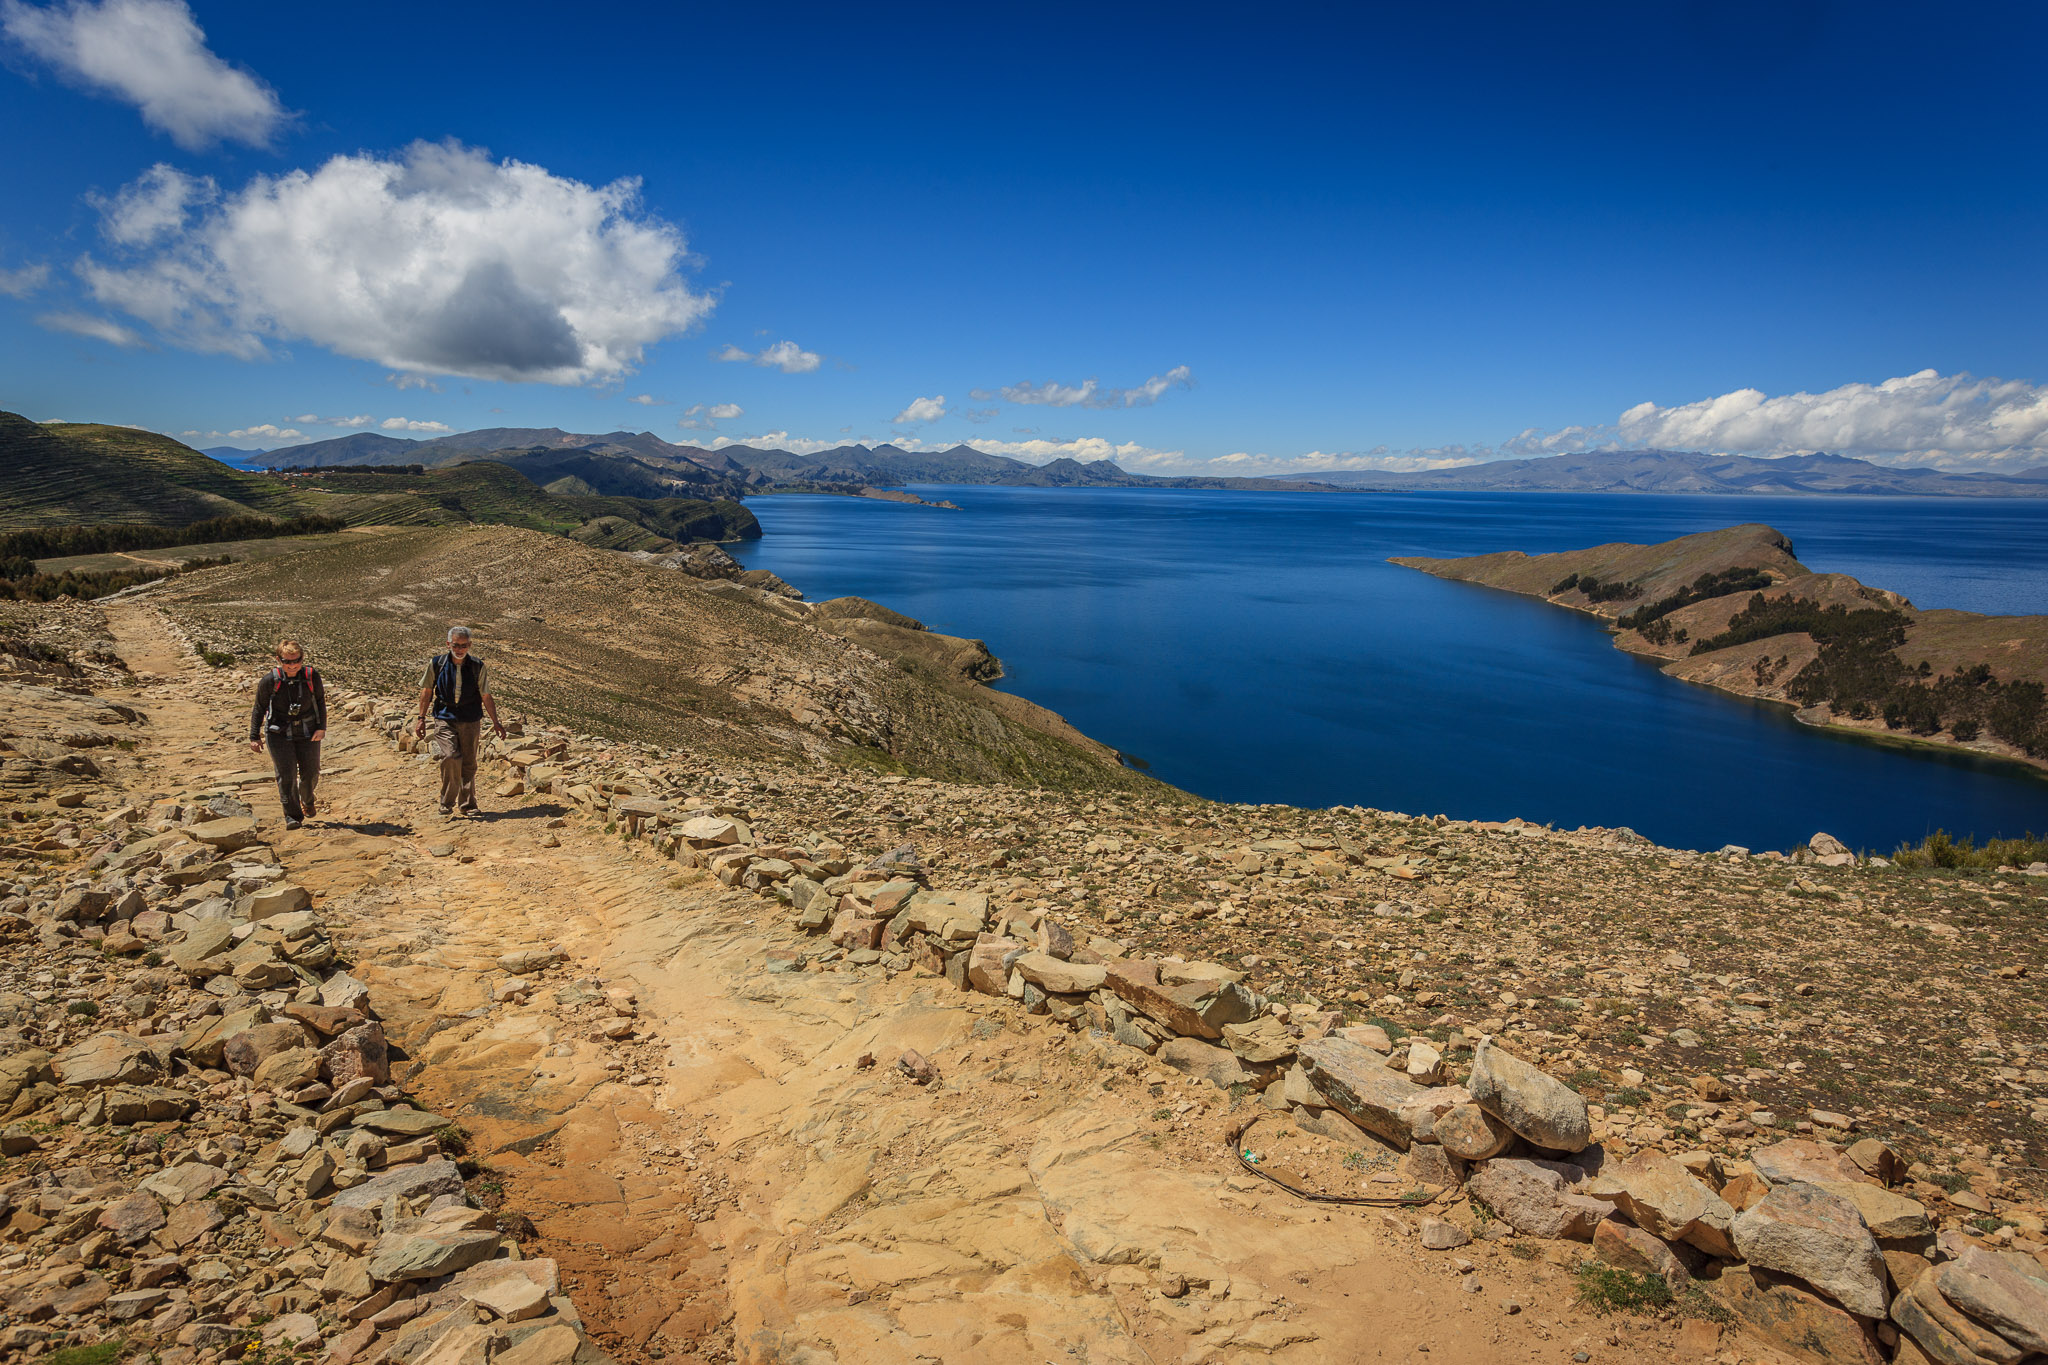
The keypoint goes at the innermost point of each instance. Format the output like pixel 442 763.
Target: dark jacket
pixel 287 707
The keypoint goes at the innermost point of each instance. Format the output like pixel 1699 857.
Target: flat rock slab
pixel 424 1180
pixel 402 1122
pixel 424 1255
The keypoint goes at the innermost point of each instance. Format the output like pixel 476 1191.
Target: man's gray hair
pixel 457 633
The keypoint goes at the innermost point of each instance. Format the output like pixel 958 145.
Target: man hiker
pixel 456 691
pixel 290 718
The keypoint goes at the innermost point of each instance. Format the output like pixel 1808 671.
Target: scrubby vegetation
pixel 1859 674
pixel 1707 585
pixel 60 542
pixel 19 581
pixel 1939 850
pixel 1596 591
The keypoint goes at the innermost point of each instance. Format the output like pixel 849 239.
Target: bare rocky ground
pixel 755 1091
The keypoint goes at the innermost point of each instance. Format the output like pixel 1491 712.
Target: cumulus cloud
pixel 648 400
pixel 402 382
pixel 435 261
pixel 155 206
pixel 922 410
pixel 152 54
pixel 706 416
pixel 86 325
pixel 1090 393
pixel 407 424
pixel 785 356
pixel 266 431
pixel 1948 421
pixel 20 283
pixel 1085 449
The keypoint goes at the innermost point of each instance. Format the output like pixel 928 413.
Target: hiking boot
pixel 312 807
pixel 472 812
pixel 293 824
pixel 445 812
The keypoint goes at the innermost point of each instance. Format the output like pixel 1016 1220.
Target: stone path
pixel 699 1143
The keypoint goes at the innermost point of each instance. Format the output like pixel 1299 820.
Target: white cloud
pixel 407 424
pixel 437 260
pixel 786 356
pixel 154 207
pixel 314 420
pixel 266 431
pixel 402 382
pixel 1946 421
pixel 1090 393
pixel 707 416
pixel 86 325
pixel 922 410
pixel 648 400
pixel 19 284
pixel 152 54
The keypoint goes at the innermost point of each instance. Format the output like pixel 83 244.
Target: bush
pixel 1605 1289
pixel 1939 850
pixel 217 658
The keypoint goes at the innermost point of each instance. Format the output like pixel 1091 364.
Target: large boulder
pixel 225 836
pixel 1194 1009
pixel 1794 1319
pixel 1471 1134
pixel 418 1183
pixel 2001 1292
pixel 249 1049
pixel 1944 1331
pixel 1355 1081
pixel 107 1059
pixel 1666 1200
pixel 1819 1238
pixel 1538 1106
pixel 1060 977
pixel 1797 1160
pixel 1540 1198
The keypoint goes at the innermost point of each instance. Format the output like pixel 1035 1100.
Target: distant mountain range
pixel 641 464
pixel 1683 471
pixel 752 467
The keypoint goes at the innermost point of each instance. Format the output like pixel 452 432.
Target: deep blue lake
pixel 1258 647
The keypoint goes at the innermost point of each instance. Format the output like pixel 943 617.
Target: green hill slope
pixel 71 473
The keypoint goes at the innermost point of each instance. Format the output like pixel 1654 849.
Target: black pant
pixel 297 764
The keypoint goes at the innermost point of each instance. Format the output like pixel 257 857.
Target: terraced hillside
pixel 69 473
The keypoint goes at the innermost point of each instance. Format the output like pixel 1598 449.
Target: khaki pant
pixel 455 744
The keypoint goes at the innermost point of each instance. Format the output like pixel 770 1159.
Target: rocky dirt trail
pixel 728 1163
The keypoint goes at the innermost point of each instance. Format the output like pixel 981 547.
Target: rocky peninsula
pixel 1735 610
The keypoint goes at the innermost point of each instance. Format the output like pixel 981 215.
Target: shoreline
pixel 1636 577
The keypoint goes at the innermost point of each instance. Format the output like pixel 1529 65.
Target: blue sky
pixel 1276 240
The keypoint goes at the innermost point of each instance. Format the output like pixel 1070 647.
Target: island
pixel 1734 609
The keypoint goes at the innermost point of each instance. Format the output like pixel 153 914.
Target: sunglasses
pixel 289 662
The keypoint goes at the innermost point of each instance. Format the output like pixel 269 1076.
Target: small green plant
pixel 1161 1115
pixel 217 658
pixel 1628 1098
pixel 89 1008
pixel 1605 1289
pixel 105 1353
pixel 1356 1161
pixel 1523 1251
pixel 453 1140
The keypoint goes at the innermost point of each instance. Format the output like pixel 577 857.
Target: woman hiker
pixel 290 719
